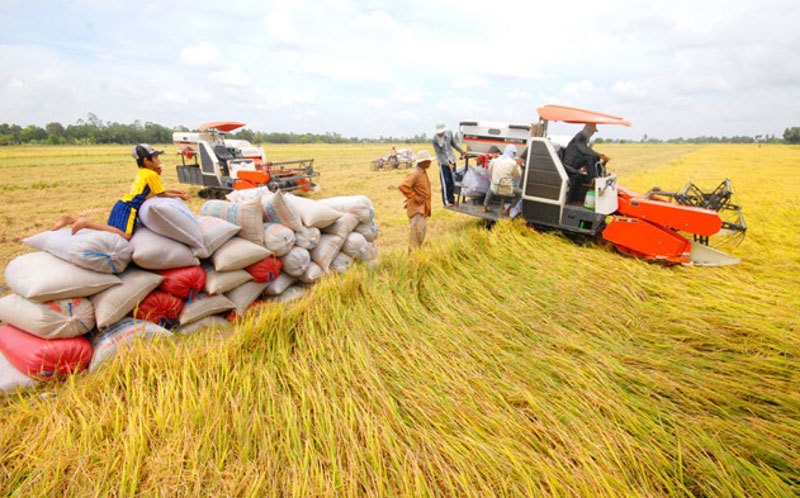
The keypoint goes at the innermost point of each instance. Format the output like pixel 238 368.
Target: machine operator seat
pixel 224 155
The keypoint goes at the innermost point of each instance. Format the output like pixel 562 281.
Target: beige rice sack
pixel 238 253
pixel 51 320
pixel 355 246
pixel 359 205
pixel 218 282
pixel 312 212
pixel 278 238
pixel 95 250
pixel 343 226
pixel 12 379
pixel 340 263
pixel 276 209
pixel 213 322
pixel 42 277
pixel 216 232
pixel 112 304
pixel 172 218
pixel 312 274
pixel 368 230
pixel 279 285
pixel 295 262
pixel 245 295
pixel 111 340
pixel 291 293
pixel 307 238
pixel 246 215
pixel 152 251
pixel 204 306
pixel 323 254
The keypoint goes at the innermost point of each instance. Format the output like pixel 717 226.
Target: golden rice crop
pixel 502 362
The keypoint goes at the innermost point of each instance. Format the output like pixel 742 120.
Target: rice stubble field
pixel 503 362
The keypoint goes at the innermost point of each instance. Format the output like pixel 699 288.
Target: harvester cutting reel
pixel 720 200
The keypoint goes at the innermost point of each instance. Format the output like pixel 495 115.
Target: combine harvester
pixel 659 226
pixel 221 165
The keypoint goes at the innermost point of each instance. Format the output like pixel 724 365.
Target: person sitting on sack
pixel 505 171
pixel 124 213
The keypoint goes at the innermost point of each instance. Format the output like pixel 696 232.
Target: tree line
pixel 94 131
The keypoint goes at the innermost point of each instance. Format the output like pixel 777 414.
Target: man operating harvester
pixel 580 161
pixel 417 190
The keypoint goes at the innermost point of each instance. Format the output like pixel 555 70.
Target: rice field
pixel 502 362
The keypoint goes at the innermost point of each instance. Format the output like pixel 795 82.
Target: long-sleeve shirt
pixel 578 153
pixel 500 168
pixel 416 187
pixel 443 147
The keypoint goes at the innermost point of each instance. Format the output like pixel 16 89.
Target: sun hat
pixel 423 156
pixel 494 150
pixel 144 150
pixel 440 127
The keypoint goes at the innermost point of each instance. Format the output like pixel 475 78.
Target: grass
pixel 490 363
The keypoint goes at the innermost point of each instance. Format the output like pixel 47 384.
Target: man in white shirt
pixel 505 171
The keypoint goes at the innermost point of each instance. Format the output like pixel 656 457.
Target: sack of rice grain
pixel 172 218
pixel 44 358
pixel 51 320
pixel 95 250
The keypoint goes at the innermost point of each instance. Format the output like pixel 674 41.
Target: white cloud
pixel 202 55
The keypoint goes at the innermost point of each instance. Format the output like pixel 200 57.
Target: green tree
pixel 33 133
pixel 792 135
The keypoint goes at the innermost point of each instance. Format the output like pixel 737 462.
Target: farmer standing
pixel 443 145
pixel 417 190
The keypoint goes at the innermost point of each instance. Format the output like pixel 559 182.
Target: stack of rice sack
pixel 312 238
pixel 79 298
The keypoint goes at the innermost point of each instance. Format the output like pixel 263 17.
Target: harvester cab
pixel 655 226
pixel 221 165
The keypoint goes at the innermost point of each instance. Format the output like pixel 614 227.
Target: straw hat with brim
pixel 440 127
pixel 424 156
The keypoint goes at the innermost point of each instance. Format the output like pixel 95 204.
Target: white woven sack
pixel 359 205
pixel 204 306
pixel 244 295
pixel 216 232
pixel 238 253
pixel 280 284
pixel 96 250
pixel 307 238
pixel 355 246
pixel 275 209
pixel 12 379
pixel 312 274
pixel 295 262
pixel 246 215
pixel 156 252
pixel 41 277
pixel 248 195
pixel 213 321
pixel 340 263
pixel 278 238
pixel 112 304
pixel 290 294
pixel 323 254
pixel 218 282
pixel 370 251
pixel 172 218
pixel 312 212
pixel 52 320
pixel 343 226
pixel 109 341
pixel 368 230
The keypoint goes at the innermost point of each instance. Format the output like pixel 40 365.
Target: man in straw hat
pixel 443 145
pixel 416 188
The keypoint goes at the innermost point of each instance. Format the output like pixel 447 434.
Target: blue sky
pixel 372 68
